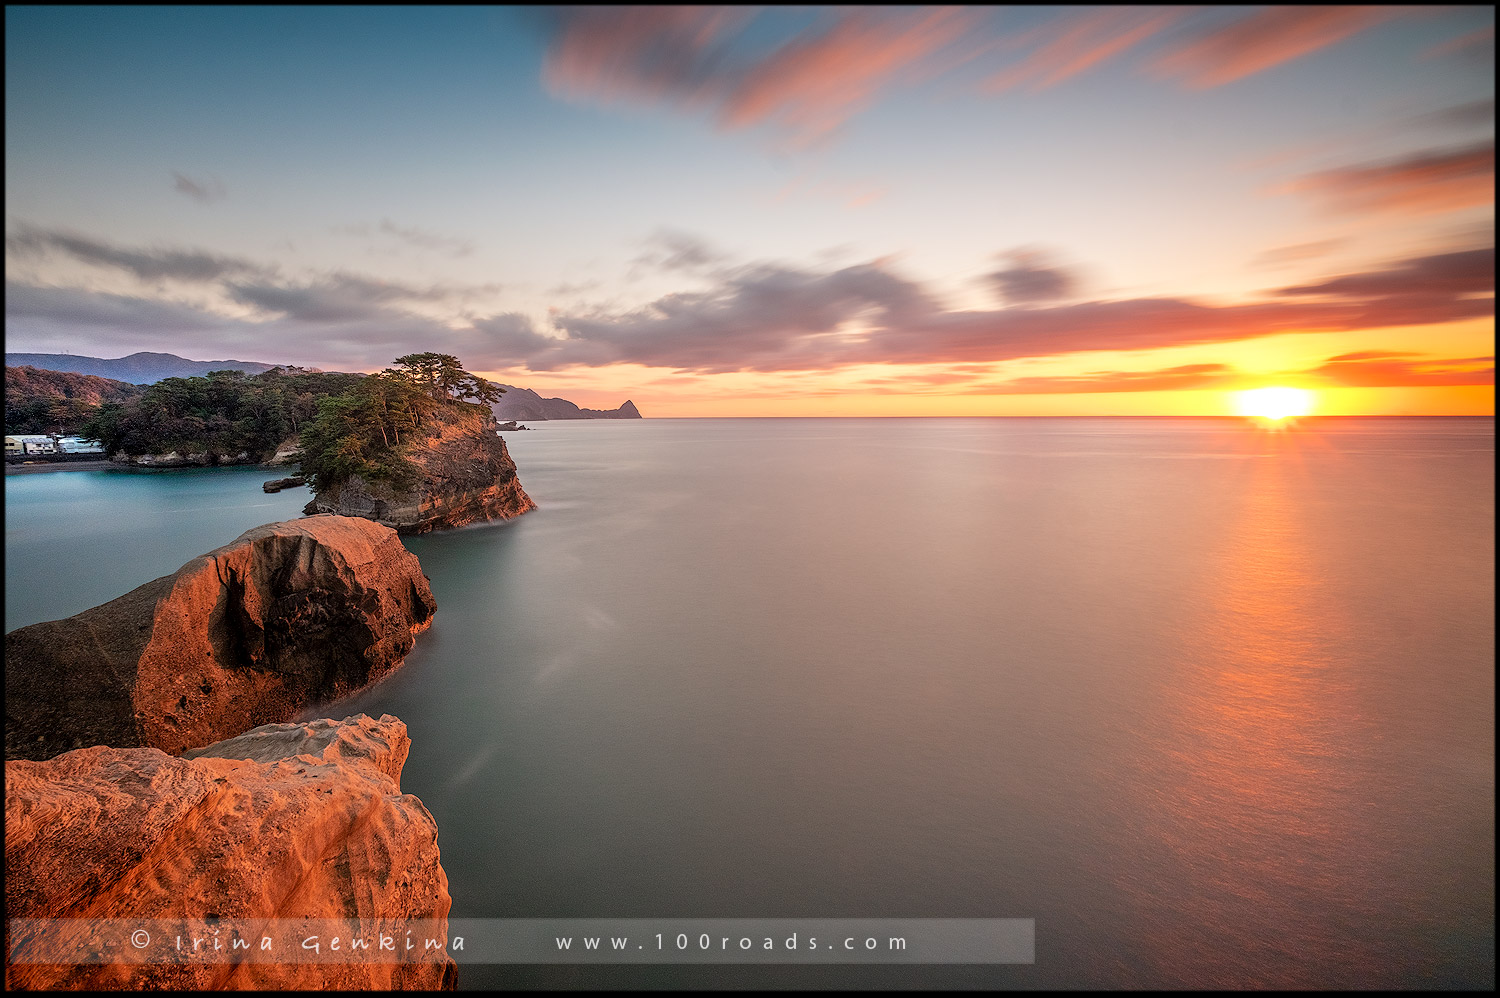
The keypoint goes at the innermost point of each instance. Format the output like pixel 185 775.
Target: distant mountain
pixel 137 369
pixel 523 403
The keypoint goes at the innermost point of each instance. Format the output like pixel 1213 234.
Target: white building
pixel 31 443
pixel 80 445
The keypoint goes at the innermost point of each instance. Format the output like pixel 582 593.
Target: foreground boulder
pixel 287 616
pixel 465 476
pixel 288 821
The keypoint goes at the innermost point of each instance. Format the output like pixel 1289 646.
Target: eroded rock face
pixel 287 616
pixel 288 821
pixel 467 476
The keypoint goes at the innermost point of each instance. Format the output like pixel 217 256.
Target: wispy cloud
pixel 807 87
pixel 1286 256
pixel 150 265
pixel 212 189
pixel 1269 37
pixel 1476 44
pixel 1373 369
pixel 1079 41
pixel 1432 182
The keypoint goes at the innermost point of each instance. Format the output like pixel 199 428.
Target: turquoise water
pixel 1215 706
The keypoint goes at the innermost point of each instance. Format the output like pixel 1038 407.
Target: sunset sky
pixel 780 211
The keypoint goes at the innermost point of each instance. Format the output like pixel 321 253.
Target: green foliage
pixel 39 401
pixel 368 429
pixel 224 414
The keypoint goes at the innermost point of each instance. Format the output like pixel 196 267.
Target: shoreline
pixel 31 469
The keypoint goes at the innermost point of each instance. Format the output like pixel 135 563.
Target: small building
pixel 31 443
pixel 80 445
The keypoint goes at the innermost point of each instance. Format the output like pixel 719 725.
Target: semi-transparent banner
pixel 524 940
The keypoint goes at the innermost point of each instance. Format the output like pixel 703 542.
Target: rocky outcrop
pixel 289 451
pixel 466 476
pixel 522 403
pixel 287 616
pixel 177 459
pixel 289 821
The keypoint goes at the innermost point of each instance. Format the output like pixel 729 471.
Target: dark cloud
pixel 1031 278
pixel 336 298
pixel 1439 180
pixel 205 191
pixel 1467 272
pixel 149 265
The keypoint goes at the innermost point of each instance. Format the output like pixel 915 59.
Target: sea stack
pixel 466 476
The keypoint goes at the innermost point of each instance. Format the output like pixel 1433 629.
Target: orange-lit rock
pixel 466 476
pixel 287 616
pixel 288 821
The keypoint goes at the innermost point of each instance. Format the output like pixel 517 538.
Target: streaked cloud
pixel 1428 183
pixel 1081 40
pixel 1286 256
pixel 1266 38
pixel 212 189
pixel 1375 369
pixel 148 265
pixel 1475 44
pixel 807 87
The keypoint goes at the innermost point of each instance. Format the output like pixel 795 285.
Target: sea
pixel 1210 701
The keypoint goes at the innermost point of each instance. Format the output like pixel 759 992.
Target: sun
pixel 1275 404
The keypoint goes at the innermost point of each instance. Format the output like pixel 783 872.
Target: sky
pixel 783 211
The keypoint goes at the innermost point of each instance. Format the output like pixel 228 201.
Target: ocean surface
pixel 1214 705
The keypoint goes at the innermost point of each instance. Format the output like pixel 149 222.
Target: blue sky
pixel 702 207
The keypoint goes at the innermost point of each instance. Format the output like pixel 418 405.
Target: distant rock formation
pixel 288 821
pixel 136 369
pixel 522 403
pixel 467 476
pixel 288 615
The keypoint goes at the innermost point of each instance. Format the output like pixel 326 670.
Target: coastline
pixel 31 469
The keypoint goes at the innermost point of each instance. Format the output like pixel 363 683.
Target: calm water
pixel 1214 705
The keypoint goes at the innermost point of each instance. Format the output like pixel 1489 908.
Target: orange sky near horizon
pixel 919 389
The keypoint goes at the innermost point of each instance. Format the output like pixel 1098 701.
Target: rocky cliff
pixel 288 821
pixel 522 403
pixel 466 476
pixel 288 615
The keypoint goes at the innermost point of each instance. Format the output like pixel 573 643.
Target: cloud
pixel 426 239
pixel 1466 272
pixel 681 56
pixel 1185 377
pixel 1030 279
pixel 1373 369
pixel 1266 38
pixel 1435 181
pixel 754 317
pixel 337 298
pixel 149 265
pixel 205 191
pixel 1475 114
pixel 1477 44
pixel 1080 41
pixel 1284 256
pixel 815 83
pixel 778 318
pixel 671 250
